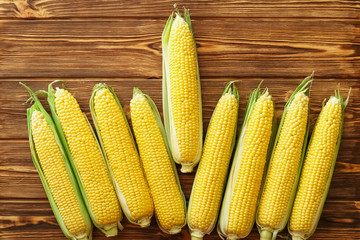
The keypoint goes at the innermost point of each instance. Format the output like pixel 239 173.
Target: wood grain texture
pixel 226 48
pixel 36 9
pixel 17 223
pixel 119 42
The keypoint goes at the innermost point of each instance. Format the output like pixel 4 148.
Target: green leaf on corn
pixel 70 210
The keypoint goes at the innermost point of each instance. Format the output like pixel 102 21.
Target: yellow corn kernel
pixel 284 165
pixel 209 181
pixel 53 168
pixel 123 157
pixel 316 170
pixel 184 93
pixel 253 159
pixel 165 191
pixel 88 159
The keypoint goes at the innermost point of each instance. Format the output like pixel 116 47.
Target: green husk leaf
pixel 168 121
pixel 110 229
pixel 343 104
pixel 196 233
pixel 265 232
pixel 157 116
pixel 144 222
pixel 38 106
pixel 223 220
pixel 188 20
pixel 165 41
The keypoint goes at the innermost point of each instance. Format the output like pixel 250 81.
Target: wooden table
pixel 119 42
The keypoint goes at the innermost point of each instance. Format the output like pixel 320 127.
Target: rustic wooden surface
pixel 118 42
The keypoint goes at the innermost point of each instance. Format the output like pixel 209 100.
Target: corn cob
pixel 123 159
pixel 86 160
pixel 55 173
pixel 318 169
pixel 160 170
pixel 210 178
pixel 284 168
pixel 238 210
pixel 181 92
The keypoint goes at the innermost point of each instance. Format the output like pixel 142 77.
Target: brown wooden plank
pixel 19 179
pixel 13 96
pixel 226 47
pixel 33 218
pixel 117 8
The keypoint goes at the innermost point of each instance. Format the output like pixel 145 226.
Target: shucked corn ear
pixel 87 160
pixel 160 170
pixel 211 175
pixel 181 92
pixel 285 164
pixel 55 173
pixel 238 210
pixel 123 159
pixel 318 169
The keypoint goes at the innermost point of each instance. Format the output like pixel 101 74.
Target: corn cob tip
pixel 180 22
pixel 197 235
pixel 232 237
pixel 120 226
pixel 144 222
pixel 265 235
pixel 137 93
pixel 51 88
pixel 334 99
pixel 303 87
pixel 187 167
pixel 266 95
pixel 297 238
pixel 111 230
pixel 100 85
pixel 84 237
pixel 174 230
